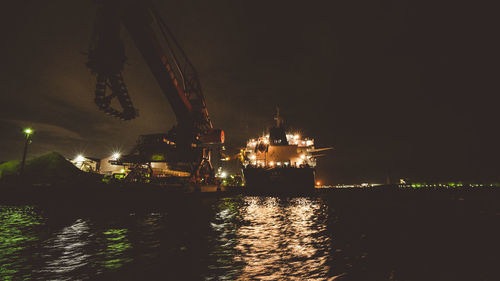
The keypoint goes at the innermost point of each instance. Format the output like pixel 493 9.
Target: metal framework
pixel 185 144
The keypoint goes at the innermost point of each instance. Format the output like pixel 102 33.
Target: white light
pixel 252 157
pixel 116 156
pixel 279 163
pixel 296 137
pixel 223 174
pixel 79 158
pixel 302 156
pixel 271 163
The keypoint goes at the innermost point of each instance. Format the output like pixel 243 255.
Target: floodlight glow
pixel 79 158
pixel 116 156
pixel 28 131
pixel 223 174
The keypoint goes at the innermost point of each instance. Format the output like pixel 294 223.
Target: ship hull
pixel 279 180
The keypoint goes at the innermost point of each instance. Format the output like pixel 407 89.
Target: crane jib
pixel 180 91
pixel 185 146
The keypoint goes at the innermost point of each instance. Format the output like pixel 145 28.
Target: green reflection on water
pixel 116 245
pixel 16 231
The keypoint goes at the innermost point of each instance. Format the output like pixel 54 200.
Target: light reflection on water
pixel 282 239
pixel 65 253
pixel 244 238
pixel 362 237
pixel 17 225
pixel 116 246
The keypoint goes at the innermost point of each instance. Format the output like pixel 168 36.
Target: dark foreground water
pixel 339 235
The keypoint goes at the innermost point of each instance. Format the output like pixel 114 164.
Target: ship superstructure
pixel 279 160
pixel 295 152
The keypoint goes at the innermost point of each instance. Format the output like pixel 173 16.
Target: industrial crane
pixel 185 146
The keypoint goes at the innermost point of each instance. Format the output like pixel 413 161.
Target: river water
pixel 329 236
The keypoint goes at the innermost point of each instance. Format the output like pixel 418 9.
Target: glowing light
pixel 223 175
pixel 79 158
pixel 302 156
pixel 122 171
pixel 28 131
pixel 116 156
pixel 296 137
pixel 271 163
pixel 309 143
pixel 318 183
pixel 252 157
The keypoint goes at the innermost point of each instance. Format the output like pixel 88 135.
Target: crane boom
pixel 187 103
pixel 171 68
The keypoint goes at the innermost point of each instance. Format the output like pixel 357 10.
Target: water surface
pixel 331 236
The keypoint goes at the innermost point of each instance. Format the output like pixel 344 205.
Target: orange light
pixel 318 183
pixel 222 136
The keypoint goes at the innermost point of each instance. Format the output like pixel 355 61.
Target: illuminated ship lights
pixel 260 152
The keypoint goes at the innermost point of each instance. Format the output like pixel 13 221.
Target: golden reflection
pixel 282 239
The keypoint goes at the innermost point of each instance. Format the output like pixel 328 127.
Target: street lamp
pixel 28 132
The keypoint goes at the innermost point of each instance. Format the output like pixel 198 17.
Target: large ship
pixel 279 161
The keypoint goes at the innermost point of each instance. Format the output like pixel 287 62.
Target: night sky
pixel 399 88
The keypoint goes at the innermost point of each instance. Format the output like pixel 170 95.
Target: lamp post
pixel 28 132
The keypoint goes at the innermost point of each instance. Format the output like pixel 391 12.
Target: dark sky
pixel 399 88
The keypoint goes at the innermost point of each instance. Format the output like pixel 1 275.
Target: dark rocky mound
pixel 9 169
pixel 45 169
